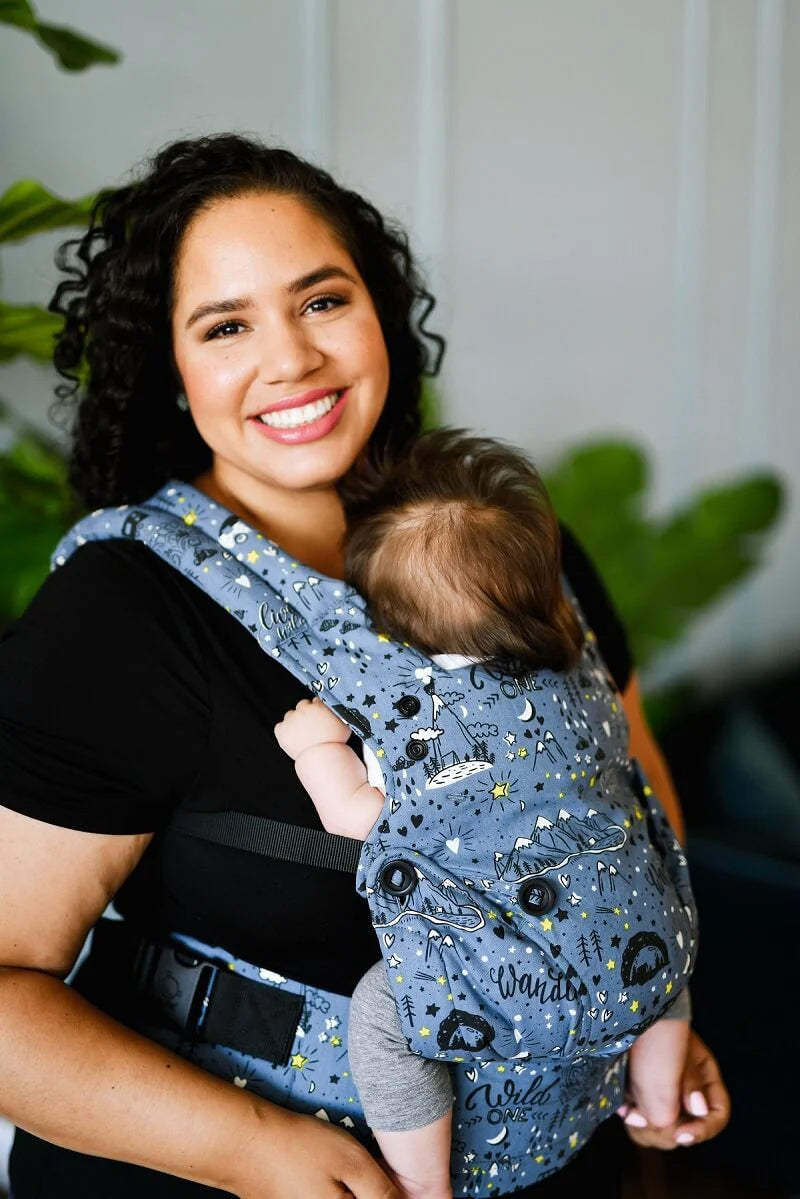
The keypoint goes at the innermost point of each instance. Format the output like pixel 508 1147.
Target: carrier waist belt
pixel 145 982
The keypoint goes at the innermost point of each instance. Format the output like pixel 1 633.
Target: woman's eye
pixel 324 303
pixel 225 329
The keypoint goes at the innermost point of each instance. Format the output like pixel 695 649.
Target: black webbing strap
pixel 271 838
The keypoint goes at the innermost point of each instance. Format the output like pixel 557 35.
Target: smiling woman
pixel 292 318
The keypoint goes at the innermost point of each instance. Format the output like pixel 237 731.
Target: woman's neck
pixel 308 524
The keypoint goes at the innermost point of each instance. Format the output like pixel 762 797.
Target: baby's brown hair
pixel 456 548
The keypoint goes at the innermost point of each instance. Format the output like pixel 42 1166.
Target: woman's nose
pixel 287 353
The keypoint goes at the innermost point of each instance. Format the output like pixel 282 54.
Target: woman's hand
pixel 705 1101
pixel 302 1156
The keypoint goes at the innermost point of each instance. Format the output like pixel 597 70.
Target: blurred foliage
pixel 72 51
pixel 37 506
pixel 661 572
pixel 36 502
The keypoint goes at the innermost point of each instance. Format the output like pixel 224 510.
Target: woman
pixel 249 326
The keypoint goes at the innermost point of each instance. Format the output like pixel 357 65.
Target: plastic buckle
pixel 178 986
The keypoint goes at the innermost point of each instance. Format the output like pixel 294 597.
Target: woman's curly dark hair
pixel 129 436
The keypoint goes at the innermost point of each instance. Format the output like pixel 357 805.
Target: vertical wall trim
pixel 317 70
pixel 689 285
pixel 761 235
pixel 434 19
pixel 756 426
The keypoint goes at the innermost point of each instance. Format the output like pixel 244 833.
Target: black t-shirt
pixel 125 691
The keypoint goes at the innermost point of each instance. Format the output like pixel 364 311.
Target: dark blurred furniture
pixel 736 762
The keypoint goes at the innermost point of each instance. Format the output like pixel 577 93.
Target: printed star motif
pixel 611 964
pixel 522 753
pixel 499 791
pixel 424 1032
pixel 336 1041
pixel 391 725
pixel 561 915
pixel 329 651
pixel 369 700
pixel 668 987
pixel 297 1061
pixel 432 1009
pixel 441 980
pixel 510 738
pixel 540 786
pixel 394 961
pixel 615 942
pixel 546 924
pixel 635 1005
pixel 253 556
pixel 190 518
pixel 334 1078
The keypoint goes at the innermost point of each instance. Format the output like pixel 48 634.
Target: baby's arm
pixel 332 774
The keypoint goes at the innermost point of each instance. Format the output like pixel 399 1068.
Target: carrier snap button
pixel 398 878
pixel 537 896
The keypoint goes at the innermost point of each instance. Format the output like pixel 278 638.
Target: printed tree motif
pixel 594 937
pixel 583 949
pixel 408 1009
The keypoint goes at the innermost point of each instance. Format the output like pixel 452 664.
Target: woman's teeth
pixel 291 418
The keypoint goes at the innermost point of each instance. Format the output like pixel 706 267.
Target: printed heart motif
pixel 593 1012
pixel 332 681
pixel 595 979
pixel 388 940
pixel 598 757
pixel 402 832
pixel 322 667
pixel 607 1014
pixel 499 931
pixel 679 939
pixel 555 950
pixel 383 827
pixel 472 1074
pixel 316 684
pixel 394 805
pixel 416 820
pixel 453 844
pixel 564 879
pixel 602 996
pixel 239 1082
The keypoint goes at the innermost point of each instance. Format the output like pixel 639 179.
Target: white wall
pixel 605 193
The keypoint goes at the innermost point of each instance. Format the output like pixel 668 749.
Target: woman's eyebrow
pixel 321 275
pixel 217 307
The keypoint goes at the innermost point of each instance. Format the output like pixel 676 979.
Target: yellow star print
pixel 522 753
pixel 424 1032
pixel 610 964
pixel 635 1005
pixel 190 518
pixel 335 1041
pixel 499 791
pixel 546 924
pixel 253 556
pixel 668 987
pixel 441 980
pixel 383 637
pixel 297 1061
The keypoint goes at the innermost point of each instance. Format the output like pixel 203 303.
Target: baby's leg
pixel 407 1099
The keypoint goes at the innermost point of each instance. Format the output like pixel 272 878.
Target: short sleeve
pixel 103 698
pixel 598 609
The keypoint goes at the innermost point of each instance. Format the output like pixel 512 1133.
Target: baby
pixel 456 550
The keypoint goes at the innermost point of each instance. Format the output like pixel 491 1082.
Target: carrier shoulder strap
pixel 271 838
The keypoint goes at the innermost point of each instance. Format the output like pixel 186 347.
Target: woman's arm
pixel 72 1075
pixel 643 746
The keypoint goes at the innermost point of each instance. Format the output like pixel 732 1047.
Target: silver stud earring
pixel 181 402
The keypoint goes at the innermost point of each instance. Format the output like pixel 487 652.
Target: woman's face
pixel 278 346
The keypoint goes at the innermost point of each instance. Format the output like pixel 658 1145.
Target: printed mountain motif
pixel 440 905
pixel 554 843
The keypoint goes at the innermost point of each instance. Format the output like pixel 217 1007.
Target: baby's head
pixel 456 549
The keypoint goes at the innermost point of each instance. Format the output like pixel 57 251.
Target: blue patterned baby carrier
pixel 531 902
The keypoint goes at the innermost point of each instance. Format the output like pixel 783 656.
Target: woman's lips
pixel 308 419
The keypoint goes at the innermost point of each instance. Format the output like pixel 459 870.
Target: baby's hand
pixel 655 1068
pixel 310 723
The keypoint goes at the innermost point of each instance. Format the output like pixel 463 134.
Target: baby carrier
pixel 529 898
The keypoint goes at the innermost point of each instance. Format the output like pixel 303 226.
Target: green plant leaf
pixel 73 51
pixel 17 13
pixel 28 207
pixel 27 329
pixel 660 572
